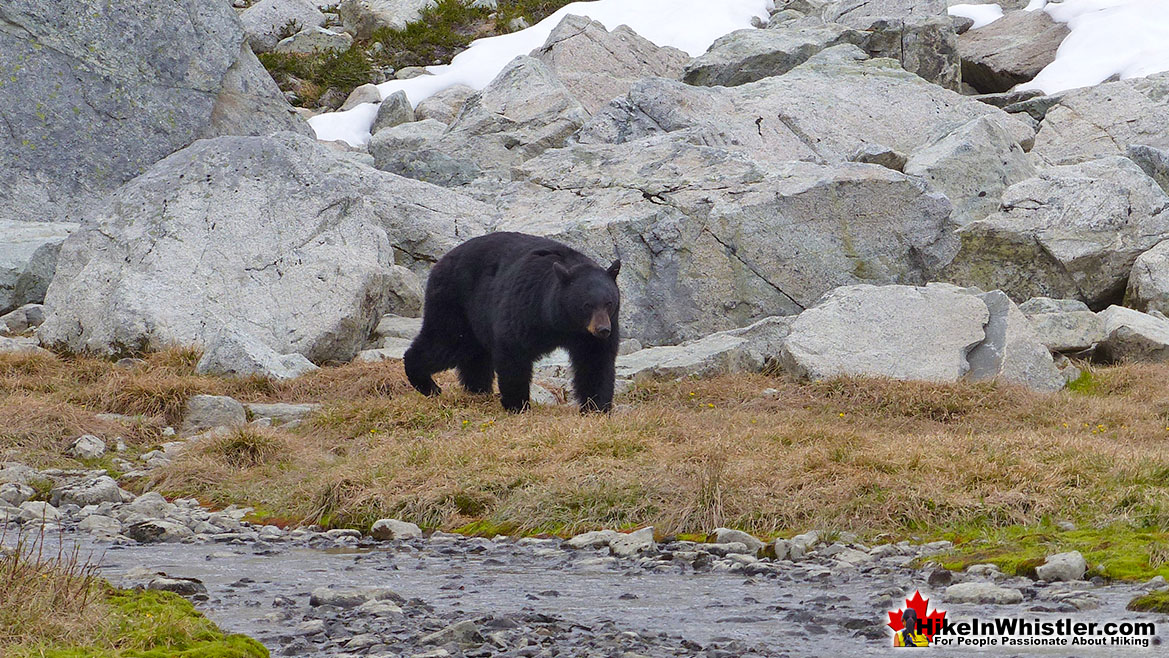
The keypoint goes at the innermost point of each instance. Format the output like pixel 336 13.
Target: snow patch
pixel 689 25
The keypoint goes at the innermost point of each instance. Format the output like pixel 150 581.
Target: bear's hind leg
pixel 425 357
pixel 476 372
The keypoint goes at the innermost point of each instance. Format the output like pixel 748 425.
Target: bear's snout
pixel 599 325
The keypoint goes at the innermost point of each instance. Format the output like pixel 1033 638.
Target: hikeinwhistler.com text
pixel 1018 632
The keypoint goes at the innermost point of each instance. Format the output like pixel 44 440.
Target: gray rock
pixel 205 412
pixel 972 166
pixel 1008 98
pixel 36 511
pixel 917 33
pixel 377 608
pixel 150 505
pixel 1072 231
pixel 464 633
pixel 1063 325
pixel 396 326
pixel 597 65
pixel 28 259
pixel 349 597
pixel 1133 336
pixel 366 93
pixel 799 545
pixel 20 345
pixel 1104 120
pixel 593 539
pixel 444 105
pixel 101 526
pixel 88 446
pixel 749 55
pixel 406 150
pixel 202 241
pixel 901 332
pixel 15 493
pixel 985 593
pixel 158 531
pixel 628 545
pixel 392 349
pixel 364 17
pixel 1062 567
pixel 387 529
pixel 24 318
pixel 92 491
pixel 1148 283
pixel 393 111
pixel 879 155
pixel 17 473
pixel 1153 161
pixel 180 586
pixel 238 354
pixel 728 535
pixel 711 240
pixel 521 113
pixel 1009 51
pixel 807 114
pixel 94 96
pixel 314 40
pixel 781 548
pixel 1012 351
pixel 282 412
pixel 749 349
pixel 267 22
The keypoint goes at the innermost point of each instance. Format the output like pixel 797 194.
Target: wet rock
pixel 1012 351
pixel 463 633
pixel 982 593
pixel 87 446
pixel 348 597
pixel 158 531
pixel 1063 325
pixel 1104 120
pixel 387 529
pixel 379 608
pixel 628 545
pixel 1135 336
pixel 1070 232
pixel 597 65
pixel 748 349
pixel 268 21
pixel 205 412
pixel 1009 51
pixel 940 578
pixel 180 586
pixel 1062 567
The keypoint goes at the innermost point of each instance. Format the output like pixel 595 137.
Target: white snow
pixel 690 25
pixel 1125 38
pixel 982 15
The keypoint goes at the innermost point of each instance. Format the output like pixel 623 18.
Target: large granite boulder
pixel 93 92
pixel 711 240
pixel 1093 122
pixel 1134 336
pixel 1013 351
pixel 1148 283
pixel 749 349
pixel 597 66
pixel 1063 325
pixel 1073 231
pixel 810 113
pixel 278 238
pixel 1009 51
pixel 28 258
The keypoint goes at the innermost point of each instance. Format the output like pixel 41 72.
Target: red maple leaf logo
pixel 932 622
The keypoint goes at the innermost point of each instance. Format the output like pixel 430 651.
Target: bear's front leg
pixel 515 380
pixel 594 372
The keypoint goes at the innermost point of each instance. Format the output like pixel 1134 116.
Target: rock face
pixel 1148 283
pixel 710 240
pixel 902 332
pixel 1093 122
pixel 1009 51
pixel 749 349
pixel 118 103
pixel 28 259
pixel 1134 336
pixel 364 17
pixel 1071 232
pixel 276 238
pixel 748 55
pixel 269 21
pixel 597 66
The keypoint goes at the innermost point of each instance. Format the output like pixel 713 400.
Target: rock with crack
pixel 276 237
pixel 95 92
pixel 1072 232
pixel 748 55
pixel 1133 336
pixel 749 349
pixel 1093 122
pixel 524 111
pixel 917 33
pixel 28 260
pixel 809 114
pixel 901 332
pixel 1009 51
pixel 972 166
pixel 597 65
pixel 711 241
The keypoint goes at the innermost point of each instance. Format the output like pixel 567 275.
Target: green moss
pixel 1085 384
pixel 1118 551
pixel 149 624
pixel 1151 602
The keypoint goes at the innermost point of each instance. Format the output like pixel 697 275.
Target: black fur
pixel 497 303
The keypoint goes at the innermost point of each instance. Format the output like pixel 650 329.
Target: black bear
pixel 496 303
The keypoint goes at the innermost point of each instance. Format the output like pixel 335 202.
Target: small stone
pixel 940 578
pixel 1062 567
pixel 88 446
pixel 728 535
pixel 205 412
pixel 15 493
pixel 464 633
pixel 387 529
pixel 158 530
pixel 393 111
pixel 628 545
pixel 180 586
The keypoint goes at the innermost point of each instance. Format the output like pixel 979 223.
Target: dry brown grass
pixel 52 597
pixel 867 455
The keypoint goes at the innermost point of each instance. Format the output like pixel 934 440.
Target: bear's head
pixel 589 299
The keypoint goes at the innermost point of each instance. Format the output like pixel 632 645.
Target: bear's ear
pixel 561 272
pixel 614 269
